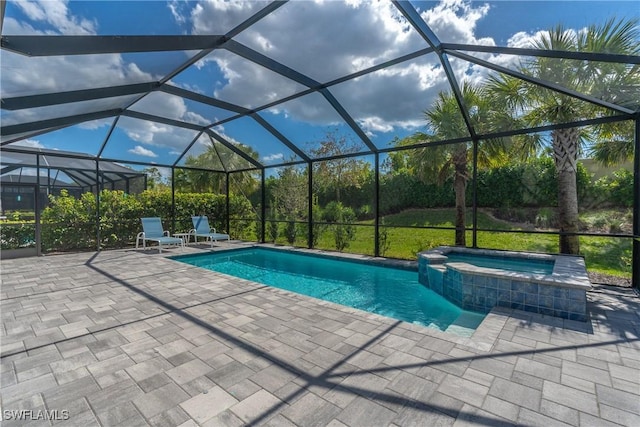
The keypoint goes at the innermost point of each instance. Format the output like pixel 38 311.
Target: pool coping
pixel 482 339
pixel 363 259
pixel 569 271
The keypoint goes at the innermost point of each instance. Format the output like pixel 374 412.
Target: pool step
pixel 467 321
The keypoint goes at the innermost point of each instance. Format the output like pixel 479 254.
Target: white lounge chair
pixel 152 230
pixel 201 229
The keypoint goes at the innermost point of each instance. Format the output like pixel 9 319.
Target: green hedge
pixel 69 223
pixel 17 235
pixel 532 184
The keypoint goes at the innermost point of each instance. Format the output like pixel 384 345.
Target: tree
pixel 290 191
pixel 337 173
pixel 450 161
pixel 155 180
pixel 528 105
pixel 290 199
pixel 217 159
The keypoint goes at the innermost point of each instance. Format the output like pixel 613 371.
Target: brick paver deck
pixel 133 338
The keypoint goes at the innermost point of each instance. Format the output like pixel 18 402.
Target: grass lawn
pixel 608 255
pixel 602 254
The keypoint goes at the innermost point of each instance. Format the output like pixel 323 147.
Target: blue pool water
pixel 390 292
pixel 536 266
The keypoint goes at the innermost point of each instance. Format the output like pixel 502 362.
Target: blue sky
pixel 508 17
pixel 385 104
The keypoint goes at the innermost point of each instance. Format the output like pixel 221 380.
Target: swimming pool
pixel 390 292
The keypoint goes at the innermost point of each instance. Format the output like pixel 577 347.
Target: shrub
pixel 258 229
pixel 119 218
pixel 384 244
pixel 273 230
pixel 342 217
pixel 365 212
pixel 68 223
pixel 546 218
pixel 14 236
pixel 615 225
pixel 621 188
pixel 290 231
pixel 317 228
pixel 424 245
pixel 501 186
pixel 332 212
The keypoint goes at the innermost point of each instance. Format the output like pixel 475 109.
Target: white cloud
pixel 177 10
pixel 155 134
pixel 454 21
pixel 23 75
pixel 272 157
pixel 476 74
pixel 380 102
pixel 523 39
pixel 31 143
pixel 376 31
pixel 145 131
pixel 56 14
pixel 96 124
pixel 193 88
pixel 141 151
pixel 219 129
pixel 226 14
pixel 172 107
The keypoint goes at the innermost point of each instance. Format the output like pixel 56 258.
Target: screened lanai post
pixel 228 206
pixel 263 207
pixel 3 5
pixel 97 205
pixel 310 204
pixel 376 206
pixel 474 194
pixel 37 207
pixel 173 199
pixel 635 274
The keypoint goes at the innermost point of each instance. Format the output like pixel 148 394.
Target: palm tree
pixel 442 162
pixel 528 105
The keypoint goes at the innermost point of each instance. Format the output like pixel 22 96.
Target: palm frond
pixel 611 152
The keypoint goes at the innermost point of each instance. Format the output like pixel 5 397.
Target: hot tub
pixel 480 279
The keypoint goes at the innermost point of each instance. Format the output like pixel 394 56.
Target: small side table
pixel 186 237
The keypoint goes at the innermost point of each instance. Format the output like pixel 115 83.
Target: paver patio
pixel 132 338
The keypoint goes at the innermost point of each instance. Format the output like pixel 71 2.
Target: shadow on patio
pixel 406 385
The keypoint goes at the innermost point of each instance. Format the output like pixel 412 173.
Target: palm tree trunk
pixel 565 153
pixel 460 187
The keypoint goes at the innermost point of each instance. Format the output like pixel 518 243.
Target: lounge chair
pixel 152 230
pixel 201 229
